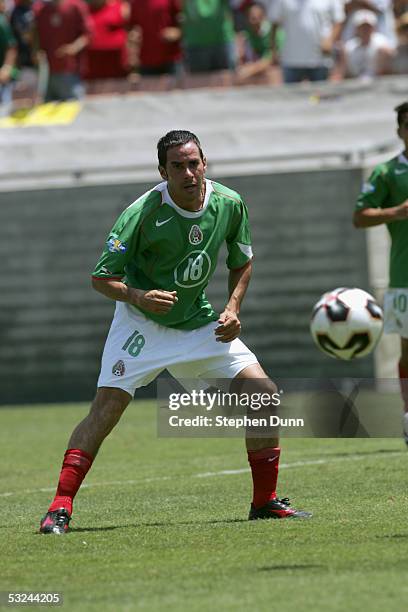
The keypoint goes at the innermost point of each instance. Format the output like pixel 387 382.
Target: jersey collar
pixel 166 199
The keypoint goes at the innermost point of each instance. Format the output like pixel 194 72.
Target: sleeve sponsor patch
pixel 367 188
pixel 116 246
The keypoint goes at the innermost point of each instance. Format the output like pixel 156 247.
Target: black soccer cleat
pixel 55 522
pixel 276 509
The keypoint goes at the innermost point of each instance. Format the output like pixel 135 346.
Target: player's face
pixel 184 173
pixel 403 131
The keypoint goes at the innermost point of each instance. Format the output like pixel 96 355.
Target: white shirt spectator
pixel 385 16
pixel 306 23
pixel 363 60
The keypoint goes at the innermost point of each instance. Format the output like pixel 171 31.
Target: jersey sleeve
pixel 375 191
pixel 119 248
pixel 239 238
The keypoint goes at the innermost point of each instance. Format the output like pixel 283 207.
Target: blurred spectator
pixel 400 59
pixel 368 53
pixel 385 16
pixel 311 28
pixel 106 54
pixel 8 58
pixel 62 32
pixel 21 21
pixel 208 35
pixel 400 7
pixel 158 23
pixel 255 45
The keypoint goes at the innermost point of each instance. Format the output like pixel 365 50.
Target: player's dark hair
pixel 401 110
pixel 175 138
pixel 255 3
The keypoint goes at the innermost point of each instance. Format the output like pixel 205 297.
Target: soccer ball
pixel 346 323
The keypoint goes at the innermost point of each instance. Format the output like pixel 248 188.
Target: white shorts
pixel 138 349
pixel 396 312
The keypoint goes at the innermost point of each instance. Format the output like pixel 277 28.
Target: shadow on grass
pixel 382 451
pixel 110 528
pixel 284 568
pixel 393 536
pixel 158 524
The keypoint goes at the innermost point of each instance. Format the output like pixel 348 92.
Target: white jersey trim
pixel 246 249
pixel 402 159
pixel 166 199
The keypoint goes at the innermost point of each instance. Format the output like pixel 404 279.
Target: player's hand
pixel 229 328
pixel 155 300
pixel 401 211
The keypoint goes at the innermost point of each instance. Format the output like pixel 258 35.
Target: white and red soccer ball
pixel 346 323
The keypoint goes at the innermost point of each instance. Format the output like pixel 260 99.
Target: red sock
pixel 265 467
pixel 74 469
pixel 403 376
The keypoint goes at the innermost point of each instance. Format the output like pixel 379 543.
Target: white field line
pixel 295 464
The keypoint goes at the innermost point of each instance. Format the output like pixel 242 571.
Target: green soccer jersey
pixel 388 187
pixel 207 22
pixel 258 44
pixel 155 244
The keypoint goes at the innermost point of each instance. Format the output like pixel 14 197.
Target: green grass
pixel 148 534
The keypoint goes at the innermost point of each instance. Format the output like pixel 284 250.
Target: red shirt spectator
pixel 107 56
pixel 156 19
pixel 62 27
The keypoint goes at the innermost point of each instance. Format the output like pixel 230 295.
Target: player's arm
pixel 369 217
pixel 110 271
pixel 155 300
pixel 239 263
pixel 371 208
pixel 230 325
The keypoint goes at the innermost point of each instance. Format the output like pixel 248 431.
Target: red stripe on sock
pixel 75 466
pixel 265 468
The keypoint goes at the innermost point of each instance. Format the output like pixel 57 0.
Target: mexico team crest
pixel 119 368
pixel 196 235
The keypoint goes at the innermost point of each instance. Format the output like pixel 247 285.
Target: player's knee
pixel 105 418
pixel 107 409
pixel 254 385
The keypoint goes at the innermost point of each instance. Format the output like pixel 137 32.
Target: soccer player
pixel 384 199
pixel 157 261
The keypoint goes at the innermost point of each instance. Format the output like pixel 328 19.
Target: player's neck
pixel 193 205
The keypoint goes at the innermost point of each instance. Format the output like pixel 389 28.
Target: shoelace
pixel 61 520
pixel 285 501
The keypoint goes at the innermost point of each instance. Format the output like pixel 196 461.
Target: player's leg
pixel 396 322
pixel 129 361
pixel 263 458
pixel 106 410
pixel 217 361
pixel 403 377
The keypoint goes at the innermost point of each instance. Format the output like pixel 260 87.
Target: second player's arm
pixel 369 217
pixel 154 300
pixel 238 282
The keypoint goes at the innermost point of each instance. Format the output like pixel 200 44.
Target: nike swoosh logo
pixel 159 223
pixel 400 171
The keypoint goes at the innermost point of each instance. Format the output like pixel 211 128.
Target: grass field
pixel 150 533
